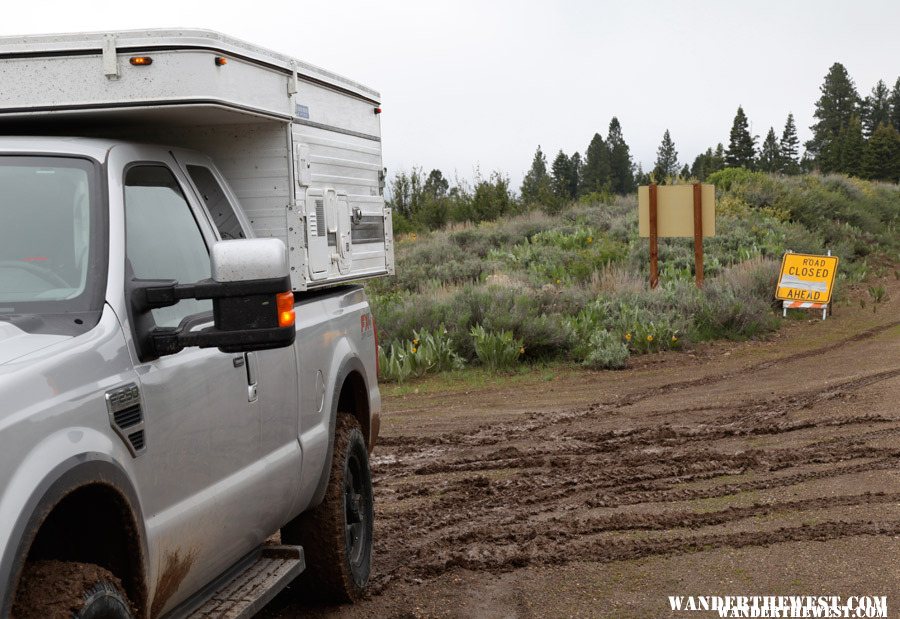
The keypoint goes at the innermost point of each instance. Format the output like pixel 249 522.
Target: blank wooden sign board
pixel 677 211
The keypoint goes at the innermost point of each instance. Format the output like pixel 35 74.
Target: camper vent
pixel 320 217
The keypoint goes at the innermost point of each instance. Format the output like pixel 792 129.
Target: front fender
pixel 43 489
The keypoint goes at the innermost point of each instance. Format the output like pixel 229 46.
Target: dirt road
pixel 753 468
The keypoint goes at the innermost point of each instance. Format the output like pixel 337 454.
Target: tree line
pixel 855 135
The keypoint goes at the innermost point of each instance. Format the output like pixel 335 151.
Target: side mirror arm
pixel 154 342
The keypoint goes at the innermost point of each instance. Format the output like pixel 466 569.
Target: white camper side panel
pixel 343 174
pixel 339 175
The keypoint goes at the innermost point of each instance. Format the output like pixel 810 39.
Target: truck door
pixel 202 434
pixel 271 374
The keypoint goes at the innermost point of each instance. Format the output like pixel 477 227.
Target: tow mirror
pixel 253 306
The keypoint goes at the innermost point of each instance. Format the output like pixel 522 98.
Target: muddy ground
pixel 735 468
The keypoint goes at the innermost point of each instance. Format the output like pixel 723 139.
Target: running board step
pixel 249 591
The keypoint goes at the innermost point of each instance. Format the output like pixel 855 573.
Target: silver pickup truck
pixel 167 404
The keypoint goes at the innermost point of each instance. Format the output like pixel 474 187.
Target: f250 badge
pixel 366 325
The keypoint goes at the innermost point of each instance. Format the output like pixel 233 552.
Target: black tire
pixel 337 535
pixel 67 589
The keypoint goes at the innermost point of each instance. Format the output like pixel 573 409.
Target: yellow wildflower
pixel 413 350
pixel 628 337
pixel 415 342
pixel 674 339
pixel 649 338
pixel 522 350
pixel 590 240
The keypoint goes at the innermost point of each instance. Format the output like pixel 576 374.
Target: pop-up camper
pixel 297 146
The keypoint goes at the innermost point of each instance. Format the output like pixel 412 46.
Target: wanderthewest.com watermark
pixel 782 605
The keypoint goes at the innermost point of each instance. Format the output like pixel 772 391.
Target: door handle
pixel 252 373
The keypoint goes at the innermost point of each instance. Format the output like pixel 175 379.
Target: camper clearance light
pixel 220 60
pixel 141 61
pixel 284 302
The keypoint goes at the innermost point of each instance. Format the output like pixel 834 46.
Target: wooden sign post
pixel 698 235
pixel 686 211
pixel 654 248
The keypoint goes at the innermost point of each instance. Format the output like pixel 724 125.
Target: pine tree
pixel 789 147
pixel 621 178
pixel 895 105
pixel 436 186
pixel 741 145
pixel 595 173
pixel 666 159
pixel 720 156
pixel 709 162
pixel 639 177
pixel 881 158
pixel 575 167
pixel 852 146
pixel 876 108
pixel 839 101
pixel 685 172
pixel 536 184
pixel 561 176
pixel 769 154
pixel 701 162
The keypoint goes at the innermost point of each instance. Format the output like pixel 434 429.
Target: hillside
pixel 573 285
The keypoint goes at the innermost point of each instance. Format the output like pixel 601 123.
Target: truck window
pixel 217 203
pixel 44 231
pixel 162 238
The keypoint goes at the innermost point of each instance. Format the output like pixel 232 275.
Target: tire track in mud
pixel 762 365
pixel 552 487
pixel 515 556
pixel 592 525
pixel 492 434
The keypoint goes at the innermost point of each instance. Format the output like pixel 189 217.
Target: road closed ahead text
pixel 806 278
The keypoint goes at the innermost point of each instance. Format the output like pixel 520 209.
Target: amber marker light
pixel 141 61
pixel 284 302
pixel 221 60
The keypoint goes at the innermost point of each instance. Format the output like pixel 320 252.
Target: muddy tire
pixel 337 535
pixel 67 589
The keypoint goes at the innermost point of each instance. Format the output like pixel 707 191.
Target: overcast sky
pixel 468 83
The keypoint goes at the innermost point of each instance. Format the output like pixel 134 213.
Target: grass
pixel 476 377
pixel 571 287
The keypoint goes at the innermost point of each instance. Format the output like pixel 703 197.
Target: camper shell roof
pixel 135 41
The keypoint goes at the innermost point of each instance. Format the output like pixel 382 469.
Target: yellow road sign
pixel 805 277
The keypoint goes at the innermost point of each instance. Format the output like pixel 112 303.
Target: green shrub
pixel 726 178
pixel 426 352
pixel 725 311
pixel 605 351
pixel 436 350
pixel 496 350
pixel 394 363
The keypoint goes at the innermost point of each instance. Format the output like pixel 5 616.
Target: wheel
pixel 66 589
pixel 337 535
